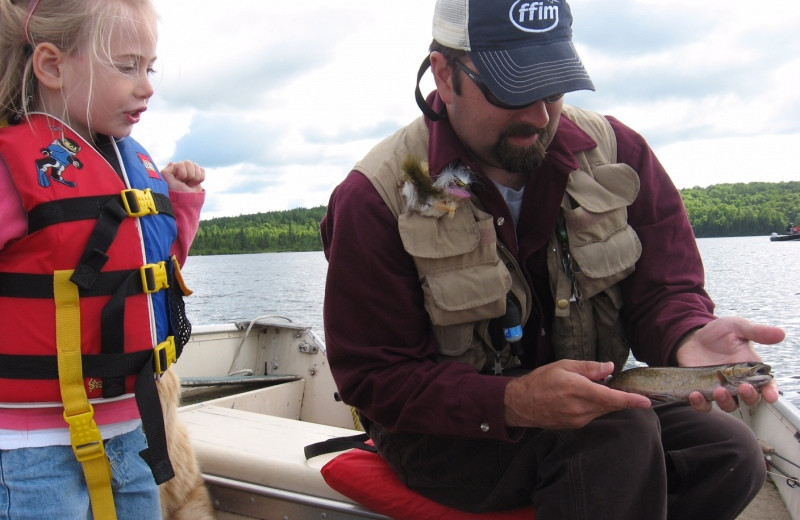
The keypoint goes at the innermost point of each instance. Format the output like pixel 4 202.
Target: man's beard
pixel 518 159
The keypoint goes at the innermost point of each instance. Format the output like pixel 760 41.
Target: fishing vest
pixel 467 276
pixel 83 218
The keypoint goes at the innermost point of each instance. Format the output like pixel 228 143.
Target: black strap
pixel 65 210
pixel 155 454
pixel 23 285
pixel 112 332
pixel 13 366
pixel 339 444
pixel 95 254
pixel 82 208
pixel 109 220
pixel 423 105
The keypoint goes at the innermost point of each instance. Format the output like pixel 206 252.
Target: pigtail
pixel 17 82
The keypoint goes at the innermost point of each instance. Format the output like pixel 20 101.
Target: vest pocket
pixel 462 278
pixel 466 295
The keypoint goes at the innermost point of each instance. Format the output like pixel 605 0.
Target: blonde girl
pixel 91 244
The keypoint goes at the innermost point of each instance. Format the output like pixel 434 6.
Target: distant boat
pixel 782 237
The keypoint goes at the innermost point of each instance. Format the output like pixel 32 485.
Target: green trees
pixel 292 230
pixel 755 208
pixel 722 210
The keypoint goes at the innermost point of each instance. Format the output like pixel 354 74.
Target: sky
pixel 278 100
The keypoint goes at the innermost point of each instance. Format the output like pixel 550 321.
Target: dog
pixel 185 496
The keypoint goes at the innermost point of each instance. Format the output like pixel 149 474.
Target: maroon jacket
pixel 380 344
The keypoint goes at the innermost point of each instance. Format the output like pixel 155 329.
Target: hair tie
pixel 31 9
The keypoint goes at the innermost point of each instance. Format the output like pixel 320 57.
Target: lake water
pixel 746 276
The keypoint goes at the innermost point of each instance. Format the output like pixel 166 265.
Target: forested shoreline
pixel 721 210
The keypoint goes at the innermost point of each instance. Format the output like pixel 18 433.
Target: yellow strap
pixel 84 434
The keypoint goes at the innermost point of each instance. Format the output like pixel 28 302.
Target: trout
pixel 674 384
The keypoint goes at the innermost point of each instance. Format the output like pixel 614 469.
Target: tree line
pixel 742 209
pixel 273 231
pixel 721 210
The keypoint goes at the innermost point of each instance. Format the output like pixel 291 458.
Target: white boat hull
pixel 250 443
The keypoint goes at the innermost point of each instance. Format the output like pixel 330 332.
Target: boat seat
pixel 267 450
pixel 260 449
pixel 366 478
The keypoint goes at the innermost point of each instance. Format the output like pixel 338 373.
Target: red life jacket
pixel 68 189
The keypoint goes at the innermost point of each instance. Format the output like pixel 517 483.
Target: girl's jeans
pixel 39 483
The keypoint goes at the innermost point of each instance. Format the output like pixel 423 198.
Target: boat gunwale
pixel 292 497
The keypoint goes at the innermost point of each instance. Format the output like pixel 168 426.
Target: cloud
pixel 224 139
pixel 279 100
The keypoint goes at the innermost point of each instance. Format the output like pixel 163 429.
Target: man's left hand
pixel 728 340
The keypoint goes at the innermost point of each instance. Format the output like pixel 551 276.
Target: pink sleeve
pixel 12 213
pixel 187 206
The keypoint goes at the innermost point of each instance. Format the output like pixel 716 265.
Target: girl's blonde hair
pixel 67 24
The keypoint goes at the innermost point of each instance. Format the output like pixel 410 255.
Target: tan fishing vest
pixel 466 274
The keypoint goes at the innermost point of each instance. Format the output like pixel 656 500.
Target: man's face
pixel 514 141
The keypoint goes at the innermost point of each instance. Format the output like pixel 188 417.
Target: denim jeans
pixel 45 483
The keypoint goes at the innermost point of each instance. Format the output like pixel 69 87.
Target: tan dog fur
pixel 185 497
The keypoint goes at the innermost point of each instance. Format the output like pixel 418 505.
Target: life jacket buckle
pixel 154 277
pixel 87 443
pixel 165 354
pixel 139 203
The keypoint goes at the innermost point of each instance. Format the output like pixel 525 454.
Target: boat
pixel 783 237
pixel 255 394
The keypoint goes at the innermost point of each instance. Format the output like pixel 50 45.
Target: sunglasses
pixel 491 98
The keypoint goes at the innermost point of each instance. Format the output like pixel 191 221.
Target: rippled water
pixel 231 288
pixel 760 280
pixel 748 276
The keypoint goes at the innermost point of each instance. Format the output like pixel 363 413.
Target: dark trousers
pixel 670 462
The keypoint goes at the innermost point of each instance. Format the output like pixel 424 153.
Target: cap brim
pixel 524 75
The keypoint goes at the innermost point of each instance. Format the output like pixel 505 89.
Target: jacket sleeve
pixel 665 297
pixel 12 213
pixel 380 345
pixel 187 206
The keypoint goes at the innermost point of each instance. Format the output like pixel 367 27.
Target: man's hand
pixel 565 395
pixel 184 176
pixel 728 340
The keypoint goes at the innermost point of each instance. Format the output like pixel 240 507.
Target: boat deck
pixel 240 471
pixel 766 506
pixel 250 442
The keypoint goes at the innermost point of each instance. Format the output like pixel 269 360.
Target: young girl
pixel 90 292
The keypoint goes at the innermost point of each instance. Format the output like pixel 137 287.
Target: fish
pixel 674 384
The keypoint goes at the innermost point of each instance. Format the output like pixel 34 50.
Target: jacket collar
pixel 545 188
pixel 445 147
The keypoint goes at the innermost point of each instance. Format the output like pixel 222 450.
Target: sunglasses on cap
pixel 491 98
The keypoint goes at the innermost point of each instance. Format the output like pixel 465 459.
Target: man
pixel 503 207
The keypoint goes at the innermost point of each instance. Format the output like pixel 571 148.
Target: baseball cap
pixel 523 50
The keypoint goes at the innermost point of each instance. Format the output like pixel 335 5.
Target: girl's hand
pixel 184 176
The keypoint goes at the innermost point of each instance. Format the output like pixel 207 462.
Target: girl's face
pixel 107 94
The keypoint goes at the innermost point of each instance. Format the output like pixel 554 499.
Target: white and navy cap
pixel 523 50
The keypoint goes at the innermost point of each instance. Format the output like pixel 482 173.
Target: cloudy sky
pixel 279 99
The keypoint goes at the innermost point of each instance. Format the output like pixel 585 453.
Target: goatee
pixel 522 159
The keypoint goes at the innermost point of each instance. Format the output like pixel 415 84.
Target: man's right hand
pixel 565 395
